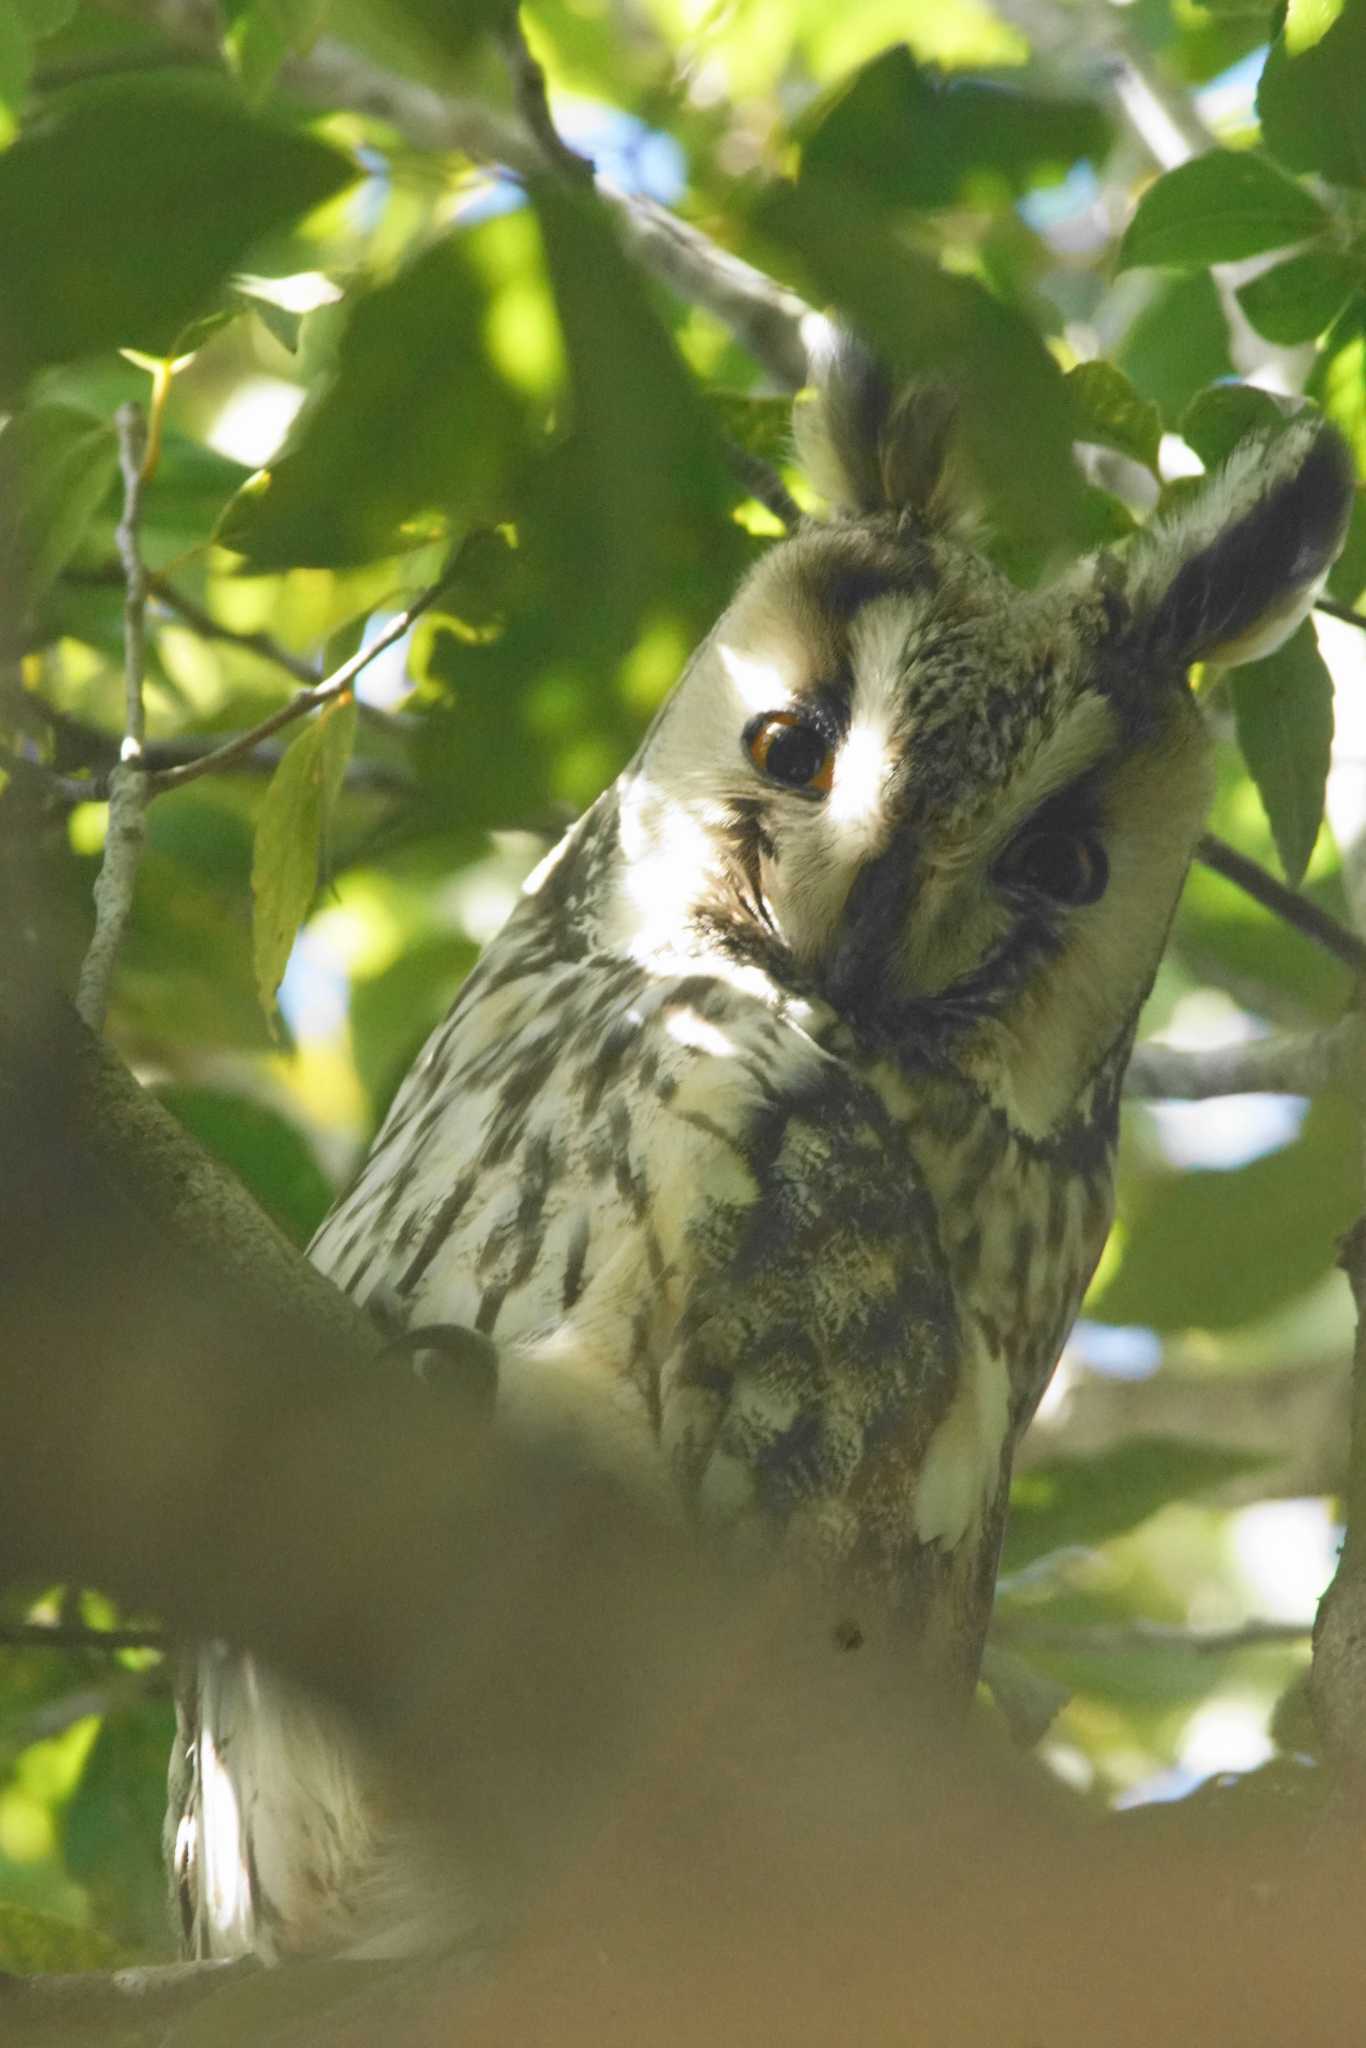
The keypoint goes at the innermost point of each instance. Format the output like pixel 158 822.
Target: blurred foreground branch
pixel 1305 1063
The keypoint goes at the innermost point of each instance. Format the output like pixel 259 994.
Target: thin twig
pixel 1303 1063
pixel 200 621
pixel 128 783
pixel 1288 904
pixel 57 1635
pixel 1105 1639
pixel 1341 611
pixel 323 692
pixel 528 83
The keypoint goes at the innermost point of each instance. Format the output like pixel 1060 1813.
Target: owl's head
pixel 958 811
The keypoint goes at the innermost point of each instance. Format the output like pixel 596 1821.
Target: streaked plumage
pixel 771 1142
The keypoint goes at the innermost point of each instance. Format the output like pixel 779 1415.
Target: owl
pixel 770 1145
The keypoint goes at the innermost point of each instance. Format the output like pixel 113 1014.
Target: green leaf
pixel 1283 707
pixel 149 190
pixel 111 1832
pixel 916 139
pixel 1089 1500
pixel 641 480
pixel 1298 299
pixel 417 429
pixel 16 67
pixel 1106 408
pixel 1178 341
pixel 1218 419
pixel 258 35
pixel 36 1944
pixel 1312 96
pixel 1220 206
pixel 1338 380
pixel 44 17
pixel 57 466
pixel 1016 413
pixel 393 1011
pixel 291 835
pixel 1347 577
pixel 429 39
pixel 267 1153
pixel 1209 1250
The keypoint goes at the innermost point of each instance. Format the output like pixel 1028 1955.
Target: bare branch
pixel 325 692
pixel 1287 903
pixel 528 81
pixel 1341 611
pixel 128 783
pixel 42 1635
pixel 1331 1062
pixel 1022 1632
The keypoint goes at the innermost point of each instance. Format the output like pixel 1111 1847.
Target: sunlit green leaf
pixel 149 190
pixel 1218 207
pixel 1106 408
pixel 258 35
pixel 417 428
pixel 1311 100
pixel 1210 1250
pixel 1338 378
pixel 57 466
pixel 16 64
pixel 291 836
pixel 112 1828
pixel 1284 711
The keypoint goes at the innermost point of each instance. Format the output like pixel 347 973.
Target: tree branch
pixel 126 830
pixel 1288 904
pixel 1022 1631
pixel 325 692
pixel 42 1635
pixel 1306 1063
pixel 528 81
pixel 1292 1422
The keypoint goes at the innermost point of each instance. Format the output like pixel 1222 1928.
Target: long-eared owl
pixel 771 1142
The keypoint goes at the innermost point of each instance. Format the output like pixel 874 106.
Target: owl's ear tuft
pixel 1230 575
pixel 869 446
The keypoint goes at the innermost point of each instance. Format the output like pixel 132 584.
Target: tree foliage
pixel 376 364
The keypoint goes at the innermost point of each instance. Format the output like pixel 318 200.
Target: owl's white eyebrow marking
pixel 758 684
pixel 860 773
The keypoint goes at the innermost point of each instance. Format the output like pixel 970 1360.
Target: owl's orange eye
pixel 791 750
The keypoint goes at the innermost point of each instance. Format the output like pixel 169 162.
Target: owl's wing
pixel 821 1379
